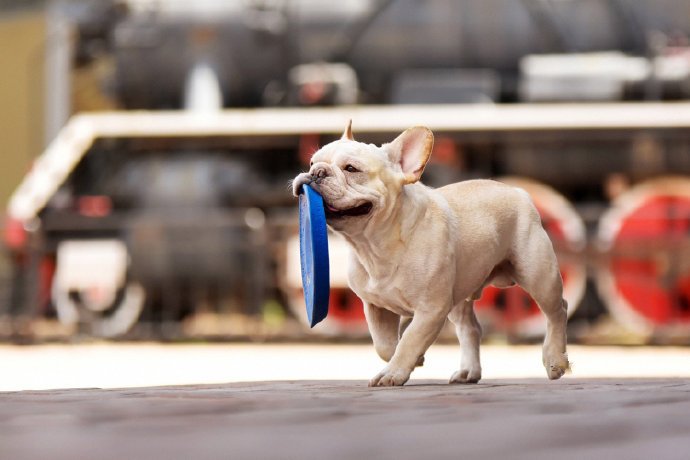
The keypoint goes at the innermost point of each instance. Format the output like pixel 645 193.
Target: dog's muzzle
pixel 359 210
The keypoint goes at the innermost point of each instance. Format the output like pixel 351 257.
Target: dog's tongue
pixel 331 208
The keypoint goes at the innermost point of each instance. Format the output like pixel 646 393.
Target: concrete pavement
pixel 496 419
pixel 291 401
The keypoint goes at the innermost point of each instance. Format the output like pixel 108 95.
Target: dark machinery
pixel 186 203
pixel 399 50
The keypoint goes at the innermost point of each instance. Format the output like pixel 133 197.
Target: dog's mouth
pixel 360 210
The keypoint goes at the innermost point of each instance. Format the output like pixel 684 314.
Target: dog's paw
pixel 390 377
pixel 556 364
pixel 471 375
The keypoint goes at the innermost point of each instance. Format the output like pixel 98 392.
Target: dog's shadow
pixel 440 384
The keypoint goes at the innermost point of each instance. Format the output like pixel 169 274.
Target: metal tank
pixel 253 45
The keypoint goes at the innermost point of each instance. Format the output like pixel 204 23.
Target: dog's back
pixel 491 206
pixel 485 192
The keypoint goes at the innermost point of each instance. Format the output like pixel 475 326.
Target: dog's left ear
pixel 347 134
pixel 412 150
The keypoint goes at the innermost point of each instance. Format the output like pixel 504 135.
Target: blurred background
pixel 147 147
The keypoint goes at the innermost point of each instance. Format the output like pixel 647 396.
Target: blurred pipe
pixel 59 52
pixel 202 92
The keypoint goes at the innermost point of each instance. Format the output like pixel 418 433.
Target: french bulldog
pixel 426 254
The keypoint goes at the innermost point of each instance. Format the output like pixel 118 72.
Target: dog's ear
pixel 412 150
pixel 347 134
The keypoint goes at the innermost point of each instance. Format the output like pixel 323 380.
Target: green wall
pixel 22 56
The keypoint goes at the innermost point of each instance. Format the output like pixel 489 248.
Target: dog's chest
pixel 385 293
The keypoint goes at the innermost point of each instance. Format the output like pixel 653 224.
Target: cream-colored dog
pixel 426 254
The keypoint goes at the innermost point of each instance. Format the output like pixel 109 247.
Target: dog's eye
pixel 352 169
pixel 311 163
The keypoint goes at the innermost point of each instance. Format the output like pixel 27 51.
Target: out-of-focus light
pixel 15 234
pixel 94 206
pixel 255 218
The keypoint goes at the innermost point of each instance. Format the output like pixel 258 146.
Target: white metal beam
pixel 52 168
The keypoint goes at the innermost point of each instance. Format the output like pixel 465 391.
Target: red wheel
pixel 645 280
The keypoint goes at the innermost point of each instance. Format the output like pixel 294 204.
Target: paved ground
pixel 523 419
pixel 311 401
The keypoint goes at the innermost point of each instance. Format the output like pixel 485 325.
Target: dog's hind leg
pixel 469 335
pixel 537 272
pixel 383 327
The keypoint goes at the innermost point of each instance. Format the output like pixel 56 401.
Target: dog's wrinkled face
pixel 358 180
pixel 353 179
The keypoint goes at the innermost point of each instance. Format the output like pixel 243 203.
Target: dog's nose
pixel 319 172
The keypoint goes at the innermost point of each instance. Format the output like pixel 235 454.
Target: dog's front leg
pixel 383 327
pixel 420 334
pixel 404 323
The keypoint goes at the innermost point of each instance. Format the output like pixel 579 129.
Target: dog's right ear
pixel 347 134
pixel 412 150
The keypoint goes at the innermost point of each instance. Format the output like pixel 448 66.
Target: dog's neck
pixel 385 235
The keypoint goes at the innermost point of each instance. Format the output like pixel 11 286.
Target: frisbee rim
pixel 314 258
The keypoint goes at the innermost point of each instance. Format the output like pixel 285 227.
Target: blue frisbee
pixel 313 243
